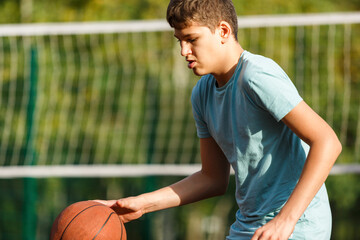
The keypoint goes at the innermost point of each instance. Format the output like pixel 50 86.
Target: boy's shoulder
pixel 252 69
pixel 257 68
pixel 257 63
pixel 205 82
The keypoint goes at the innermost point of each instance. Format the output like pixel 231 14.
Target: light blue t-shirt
pixel 244 119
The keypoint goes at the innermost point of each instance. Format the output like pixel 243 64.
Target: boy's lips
pixel 191 63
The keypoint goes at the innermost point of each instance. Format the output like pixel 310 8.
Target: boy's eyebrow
pixel 185 36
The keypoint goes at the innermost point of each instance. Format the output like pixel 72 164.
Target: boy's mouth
pixel 191 64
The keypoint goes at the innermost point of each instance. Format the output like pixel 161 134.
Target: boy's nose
pixel 185 50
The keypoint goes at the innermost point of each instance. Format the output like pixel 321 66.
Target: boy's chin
pixel 199 72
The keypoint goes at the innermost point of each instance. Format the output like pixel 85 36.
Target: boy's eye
pixel 191 40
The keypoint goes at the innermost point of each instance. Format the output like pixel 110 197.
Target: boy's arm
pixel 211 180
pixel 324 150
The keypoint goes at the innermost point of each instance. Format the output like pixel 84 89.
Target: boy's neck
pixel 229 65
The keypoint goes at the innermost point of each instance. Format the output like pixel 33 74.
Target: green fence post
pixel 150 184
pixel 30 216
pixel 30 184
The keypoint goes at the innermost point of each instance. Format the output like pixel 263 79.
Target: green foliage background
pixel 16 11
pixel 344 190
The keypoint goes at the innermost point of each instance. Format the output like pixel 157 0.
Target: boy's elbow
pixel 217 186
pixel 221 189
pixel 336 146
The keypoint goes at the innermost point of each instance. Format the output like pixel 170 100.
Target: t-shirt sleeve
pixel 271 89
pixel 197 109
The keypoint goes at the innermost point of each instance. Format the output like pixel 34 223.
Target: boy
pixel 248 115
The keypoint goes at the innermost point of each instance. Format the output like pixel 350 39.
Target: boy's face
pixel 201 48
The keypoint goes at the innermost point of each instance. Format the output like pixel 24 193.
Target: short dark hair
pixel 181 13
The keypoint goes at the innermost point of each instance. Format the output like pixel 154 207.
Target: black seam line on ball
pixel 76 217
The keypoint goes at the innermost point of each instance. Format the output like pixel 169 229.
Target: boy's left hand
pixel 276 229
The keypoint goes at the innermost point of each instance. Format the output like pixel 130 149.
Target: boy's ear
pixel 225 31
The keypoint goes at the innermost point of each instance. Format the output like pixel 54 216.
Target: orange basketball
pixel 88 220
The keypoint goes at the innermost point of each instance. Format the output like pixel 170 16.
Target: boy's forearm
pixel 158 200
pixel 320 160
pixel 194 188
pixel 324 150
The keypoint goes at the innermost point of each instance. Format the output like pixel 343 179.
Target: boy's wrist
pixel 146 203
pixel 288 216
